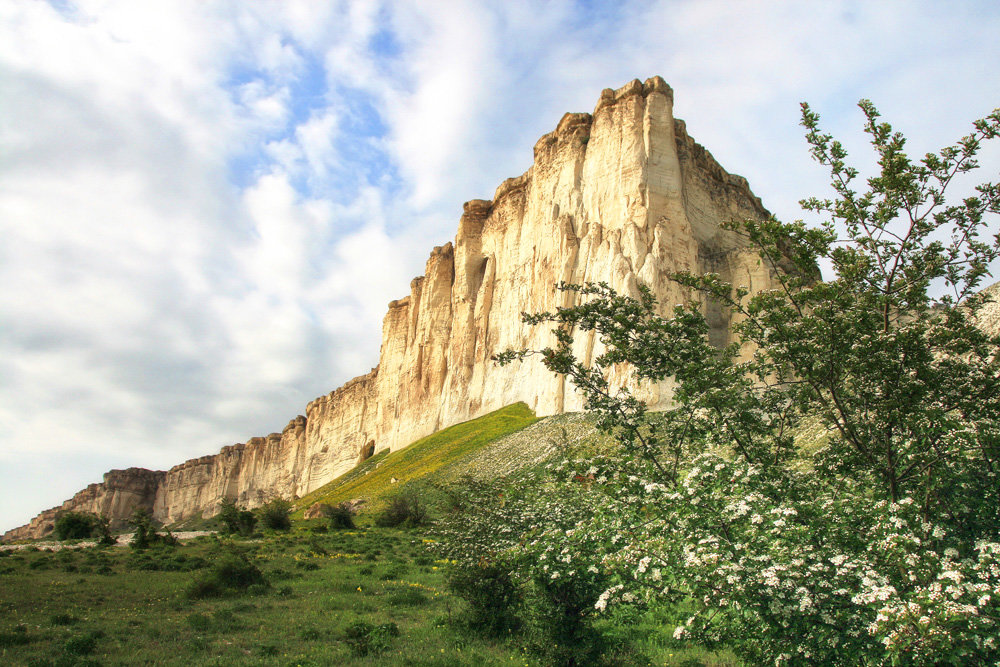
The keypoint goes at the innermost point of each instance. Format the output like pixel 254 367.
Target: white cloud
pixel 449 71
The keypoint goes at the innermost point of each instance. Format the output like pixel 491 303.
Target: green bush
pixel 63 619
pixel 340 516
pixel 79 525
pixel 405 509
pixel 275 515
pixel 236 520
pixel 145 532
pixel 308 565
pixel 101 528
pixel 367 639
pixel 516 558
pixel 877 545
pixel 492 595
pixel 17 638
pixel 232 573
pixel 82 644
pixel 558 616
pixel 40 564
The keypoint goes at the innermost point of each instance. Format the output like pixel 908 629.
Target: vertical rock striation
pixel 622 195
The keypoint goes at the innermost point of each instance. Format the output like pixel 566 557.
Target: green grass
pixel 357 597
pixel 372 479
pixel 103 606
pixel 368 596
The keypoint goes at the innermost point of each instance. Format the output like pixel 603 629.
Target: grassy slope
pixel 50 604
pixel 373 479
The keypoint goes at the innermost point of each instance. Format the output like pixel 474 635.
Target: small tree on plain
pixel 146 534
pixel 236 520
pixel 74 525
pixel 276 514
pixel 341 516
pixel 404 509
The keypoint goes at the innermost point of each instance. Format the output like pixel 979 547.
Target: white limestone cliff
pixel 622 195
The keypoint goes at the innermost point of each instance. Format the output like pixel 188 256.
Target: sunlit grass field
pixel 370 596
pixel 373 479
pixel 365 596
pixel 118 607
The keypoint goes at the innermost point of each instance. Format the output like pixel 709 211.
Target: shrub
pixel 404 509
pixel 232 573
pixel 558 615
pixel 367 639
pixel 878 547
pixel 275 515
pixel 102 529
pixel 63 619
pixel 76 525
pixel 236 520
pixel 19 637
pixel 316 547
pixel 518 557
pixel 145 531
pixel 82 644
pixel 492 595
pixel 340 516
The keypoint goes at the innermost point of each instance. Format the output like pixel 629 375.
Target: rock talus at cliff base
pixel 622 195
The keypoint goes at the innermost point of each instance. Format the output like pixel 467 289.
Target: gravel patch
pixel 121 540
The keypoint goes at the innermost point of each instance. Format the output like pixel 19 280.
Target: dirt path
pixel 122 540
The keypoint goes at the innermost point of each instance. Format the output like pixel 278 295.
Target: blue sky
pixel 206 206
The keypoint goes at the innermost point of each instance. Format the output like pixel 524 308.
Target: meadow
pixel 368 596
pixel 364 596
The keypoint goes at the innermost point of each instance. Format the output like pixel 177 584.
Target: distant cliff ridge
pixel 622 195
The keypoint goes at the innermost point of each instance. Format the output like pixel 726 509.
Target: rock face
pixel 622 195
pixel 121 493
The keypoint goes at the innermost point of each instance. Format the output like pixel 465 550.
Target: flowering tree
pixel 881 544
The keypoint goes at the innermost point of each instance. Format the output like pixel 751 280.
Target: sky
pixel 205 207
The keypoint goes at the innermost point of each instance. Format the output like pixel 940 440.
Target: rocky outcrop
pixel 622 195
pixel 121 493
pixel 988 316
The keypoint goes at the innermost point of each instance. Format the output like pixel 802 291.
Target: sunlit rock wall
pixel 622 195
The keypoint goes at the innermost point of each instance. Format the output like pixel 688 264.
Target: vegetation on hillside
pixel 320 594
pixel 372 480
pixel 884 547
pixel 81 525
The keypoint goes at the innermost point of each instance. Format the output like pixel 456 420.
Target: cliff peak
pixel 621 195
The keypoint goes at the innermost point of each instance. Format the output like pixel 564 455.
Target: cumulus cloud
pixel 205 207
